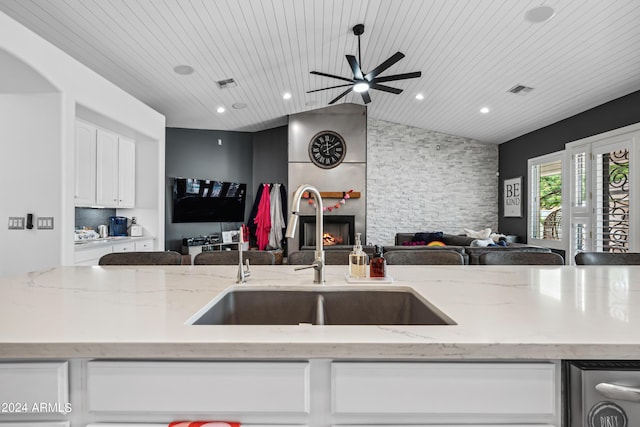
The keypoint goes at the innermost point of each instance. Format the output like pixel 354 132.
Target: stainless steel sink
pixel 319 305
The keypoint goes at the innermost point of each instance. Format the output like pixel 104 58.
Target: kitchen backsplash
pixel 93 217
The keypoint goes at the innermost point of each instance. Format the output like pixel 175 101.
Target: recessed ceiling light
pixel 539 14
pixel 184 70
pixel 286 95
pixel 239 105
pixel 419 97
pixel 484 110
pixel 221 110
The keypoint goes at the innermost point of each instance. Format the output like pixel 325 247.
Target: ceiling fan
pixel 361 83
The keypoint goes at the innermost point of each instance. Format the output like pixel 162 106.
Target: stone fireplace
pixel 338 230
pixel 349 121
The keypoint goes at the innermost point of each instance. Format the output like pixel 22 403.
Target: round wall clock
pixel 327 149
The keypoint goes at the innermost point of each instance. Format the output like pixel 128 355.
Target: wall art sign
pixel 512 194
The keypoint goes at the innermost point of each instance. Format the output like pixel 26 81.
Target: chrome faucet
pixel 243 272
pixel 318 263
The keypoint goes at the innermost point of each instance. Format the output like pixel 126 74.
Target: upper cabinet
pixel 126 172
pixel 85 160
pixel 105 168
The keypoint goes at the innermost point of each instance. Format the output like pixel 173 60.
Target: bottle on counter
pixel 377 264
pixel 358 260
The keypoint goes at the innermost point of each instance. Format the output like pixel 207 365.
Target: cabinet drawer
pixel 444 388
pixel 199 387
pixel 124 247
pixel 36 424
pixel 143 245
pixel 82 255
pixel 30 384
pixel 166 424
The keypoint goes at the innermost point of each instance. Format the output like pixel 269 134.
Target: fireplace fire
pixel 329 240
pixel 338 230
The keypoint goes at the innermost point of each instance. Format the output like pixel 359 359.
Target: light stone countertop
pixel 106 241
pixel 502 312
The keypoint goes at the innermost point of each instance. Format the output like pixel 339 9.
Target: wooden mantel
pixel 335 194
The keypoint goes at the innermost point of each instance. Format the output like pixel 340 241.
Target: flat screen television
pixel 205 200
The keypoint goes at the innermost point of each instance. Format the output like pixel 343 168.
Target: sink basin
pixel 319 305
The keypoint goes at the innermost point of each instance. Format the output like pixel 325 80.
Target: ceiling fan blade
pixel 365 97
pixel 386 88
pixel 386 64
pixel 340 96
pixel 330 87
pixel 355 67
pixel 398 77
pixel 318 73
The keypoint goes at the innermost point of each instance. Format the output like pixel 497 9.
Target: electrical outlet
pixel 45 223
pixel 16 223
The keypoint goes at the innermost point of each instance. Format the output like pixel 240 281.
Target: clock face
pixel 327 149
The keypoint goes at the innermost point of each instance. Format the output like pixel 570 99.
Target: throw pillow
pixel 427 237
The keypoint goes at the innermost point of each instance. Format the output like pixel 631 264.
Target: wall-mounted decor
pixel 327 149
pixel 512 194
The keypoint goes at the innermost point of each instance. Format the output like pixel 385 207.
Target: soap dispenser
pixel 358 260
pixel 377 265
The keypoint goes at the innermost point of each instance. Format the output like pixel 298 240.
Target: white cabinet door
pixel 85 164
pixel 107 169
pixel 24 386
pixel 499 393
pixel 274 388
pixel 35 424
pixel 91 256
pixel 126 173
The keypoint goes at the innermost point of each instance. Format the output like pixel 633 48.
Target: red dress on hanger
pixel 263 219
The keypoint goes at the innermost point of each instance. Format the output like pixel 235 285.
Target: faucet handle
pixel 316 264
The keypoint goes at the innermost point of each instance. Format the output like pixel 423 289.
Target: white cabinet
pixel 143 245
pixel 90 255
pixel 25 386
pixel 124 247
pixel 198 387
pixel 115 170
pixel 85 163
pixel 126 172
pixel 105 168
pixel 445 393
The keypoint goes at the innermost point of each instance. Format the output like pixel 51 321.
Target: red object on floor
pixel 203 424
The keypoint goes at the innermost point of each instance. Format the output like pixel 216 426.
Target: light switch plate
pixel 16 223
pixel 45 223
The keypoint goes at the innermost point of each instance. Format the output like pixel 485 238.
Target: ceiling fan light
pixel 361 87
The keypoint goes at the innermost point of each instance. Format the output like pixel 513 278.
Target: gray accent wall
pixel 515 153
pixel 270 156
pixel 195 153
pixel 250 158
pixel 421 180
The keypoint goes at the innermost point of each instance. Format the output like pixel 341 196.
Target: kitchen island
pixel 112 327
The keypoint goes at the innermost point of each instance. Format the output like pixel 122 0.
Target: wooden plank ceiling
pixel 470 52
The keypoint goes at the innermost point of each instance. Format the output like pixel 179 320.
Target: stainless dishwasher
pixel 602 393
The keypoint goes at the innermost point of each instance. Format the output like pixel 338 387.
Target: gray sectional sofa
pixel 461 244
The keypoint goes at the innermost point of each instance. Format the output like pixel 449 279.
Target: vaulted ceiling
pixel 470 53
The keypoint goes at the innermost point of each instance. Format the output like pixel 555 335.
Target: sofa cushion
pixel 475 252
pixel 452 239
pixel 459 249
